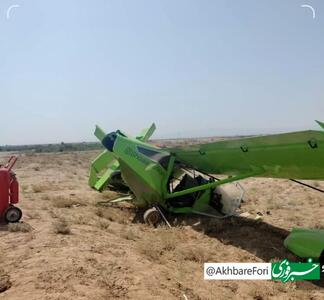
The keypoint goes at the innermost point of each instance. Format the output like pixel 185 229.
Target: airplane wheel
pixel 13 214
pixel 152 216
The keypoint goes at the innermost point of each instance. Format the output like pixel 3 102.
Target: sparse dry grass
pixel 45 197
pixel 36 168
pixel 19 227
pixel 112 214
pixel 156 246
pixel 81 220
pixel 33 215
pixel 39 188
pixel 65 202
pixel 5 282
pixel 115 285
pixel 107 195
pixel 195 253
pixel 53 213
pixel 103 224
pixel 128 234
pixel 173 245
pixel 61 226
pixel 320 225
pixel 24 188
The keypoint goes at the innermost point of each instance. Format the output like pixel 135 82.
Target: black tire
pixel 152 216
pixel 13 214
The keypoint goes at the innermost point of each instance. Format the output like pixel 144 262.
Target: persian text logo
pixel 288 271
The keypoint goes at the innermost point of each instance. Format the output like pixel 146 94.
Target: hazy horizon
pixel 154 138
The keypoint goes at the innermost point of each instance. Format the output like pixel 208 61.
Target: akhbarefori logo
pixel 284 271
pixel 288 271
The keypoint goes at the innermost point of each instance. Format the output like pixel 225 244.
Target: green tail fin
pixel 320 123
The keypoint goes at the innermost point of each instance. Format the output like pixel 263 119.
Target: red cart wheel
pixel 13 214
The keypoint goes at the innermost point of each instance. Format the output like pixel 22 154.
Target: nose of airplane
pixel 109 141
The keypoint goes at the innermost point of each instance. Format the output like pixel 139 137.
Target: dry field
pixel 70 248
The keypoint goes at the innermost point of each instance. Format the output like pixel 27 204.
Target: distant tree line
pixel 43 148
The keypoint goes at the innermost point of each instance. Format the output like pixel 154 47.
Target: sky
pixel 195 68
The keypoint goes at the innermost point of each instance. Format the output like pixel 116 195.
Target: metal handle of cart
pixel 11 162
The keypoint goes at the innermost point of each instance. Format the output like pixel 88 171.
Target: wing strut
pixel 307 185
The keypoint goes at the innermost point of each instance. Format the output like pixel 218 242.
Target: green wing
pixel 297 155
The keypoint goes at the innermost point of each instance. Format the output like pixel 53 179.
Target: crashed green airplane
pixel 181 180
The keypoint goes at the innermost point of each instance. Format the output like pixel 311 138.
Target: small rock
pixel 245 214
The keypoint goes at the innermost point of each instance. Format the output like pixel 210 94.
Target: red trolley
pixel 9 193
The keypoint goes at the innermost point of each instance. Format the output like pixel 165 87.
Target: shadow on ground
pixel 257 237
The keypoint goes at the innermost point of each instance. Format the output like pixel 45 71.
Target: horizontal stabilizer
pixel 99 133
pixel 98 166
pixel 146 133
pixel 320 123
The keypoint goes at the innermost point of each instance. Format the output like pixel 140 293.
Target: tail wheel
pixel 13 214
pixel 152 216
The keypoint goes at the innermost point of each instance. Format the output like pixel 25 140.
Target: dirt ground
pixel 68 247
